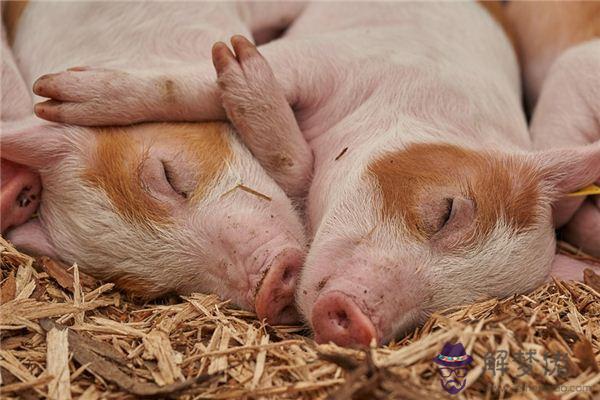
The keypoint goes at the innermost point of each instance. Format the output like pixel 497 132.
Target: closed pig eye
pixel 435 215
pixel 450 213
pixel 170 178
pixel 447 214
pixel 458 213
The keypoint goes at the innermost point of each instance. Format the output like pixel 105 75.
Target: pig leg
pixel 100 96
pixel 256 105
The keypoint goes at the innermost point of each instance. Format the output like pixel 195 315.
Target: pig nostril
pixel 24 199
pixel 288 310
pixel 287 276
pixel 341 318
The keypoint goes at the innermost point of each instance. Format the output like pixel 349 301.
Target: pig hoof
pixel 275 298
pixel 336 318
pixel 94 96
pixel 239 70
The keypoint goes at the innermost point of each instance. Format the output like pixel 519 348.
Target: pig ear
pixel 32 238
pixel 565 171
pixel 32 142
pixel 570 169
pixel 570 269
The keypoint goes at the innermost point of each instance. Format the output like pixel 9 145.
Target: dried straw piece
pixel 124 349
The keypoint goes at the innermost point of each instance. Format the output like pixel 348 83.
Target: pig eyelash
pixel 449 211
pixel 170 179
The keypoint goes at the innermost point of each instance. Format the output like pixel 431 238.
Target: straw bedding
pixel 65 335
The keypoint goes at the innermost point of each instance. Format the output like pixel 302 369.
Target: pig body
pixel 559 45
pixel 423 192
pixel 20 187
pixel 157 207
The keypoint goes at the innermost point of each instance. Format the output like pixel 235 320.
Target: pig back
pixel 51 36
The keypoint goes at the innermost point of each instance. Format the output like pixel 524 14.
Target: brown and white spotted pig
pixel 157 207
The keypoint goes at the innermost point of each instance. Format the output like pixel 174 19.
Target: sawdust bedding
pixel 64 335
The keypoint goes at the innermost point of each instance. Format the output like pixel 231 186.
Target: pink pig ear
pixel 32 142
pixel 32 238
pixel 570 169
pixel 565 171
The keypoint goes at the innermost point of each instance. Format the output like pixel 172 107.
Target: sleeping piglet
pixel 559 45
pixel 20 187
pixel 156 208
pixel 424 192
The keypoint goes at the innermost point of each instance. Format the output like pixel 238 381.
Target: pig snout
pixel 20 194
pixel 352 294
pixel 259 259
pixel 274 299
pixel 337 318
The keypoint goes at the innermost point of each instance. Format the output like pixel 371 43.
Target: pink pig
pixel 424 191
pixel 156 207
pixel 559 44
pixel 20 187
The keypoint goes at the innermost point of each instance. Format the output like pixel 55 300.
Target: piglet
pixel 559 45
pixel 424 191
pixel 20 187
pixel 156 207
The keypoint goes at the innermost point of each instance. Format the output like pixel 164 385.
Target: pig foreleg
pixel 100 96
pixel 256 105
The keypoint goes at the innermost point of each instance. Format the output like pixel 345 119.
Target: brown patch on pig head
pixel 120 154
pixel 501 188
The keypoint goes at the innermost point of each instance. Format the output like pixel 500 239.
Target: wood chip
pixel 63 274
pixel 57 363
pixel 8 289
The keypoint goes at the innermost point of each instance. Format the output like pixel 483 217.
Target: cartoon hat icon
pixel 453 355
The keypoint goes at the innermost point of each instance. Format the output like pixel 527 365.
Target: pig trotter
pixel 95 96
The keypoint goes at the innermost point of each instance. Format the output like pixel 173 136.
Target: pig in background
pixel 424 193
pixel 155 207
pixel 20 187
pixel 559 46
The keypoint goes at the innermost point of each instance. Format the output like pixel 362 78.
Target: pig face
pixel 163 207
pixel 432 226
